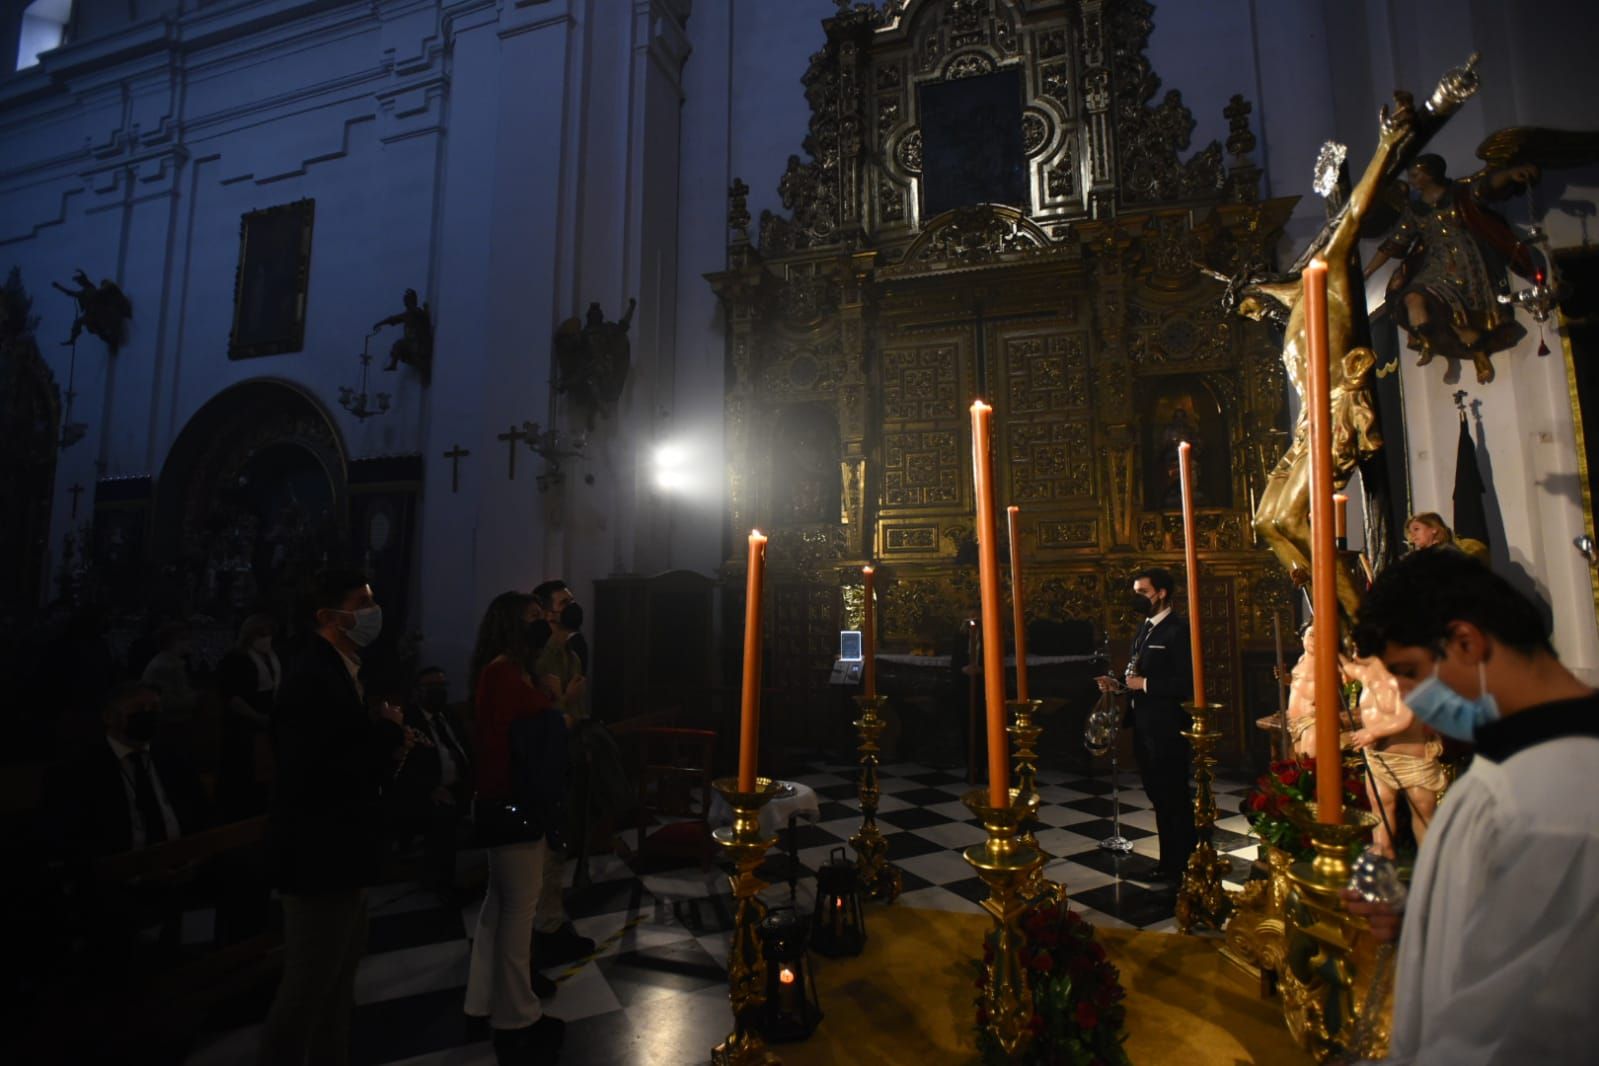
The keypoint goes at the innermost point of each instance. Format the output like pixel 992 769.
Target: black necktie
pixel 155 826
pixel 1140 640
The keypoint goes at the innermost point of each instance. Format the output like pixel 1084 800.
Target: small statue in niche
pixel 103 310
pixel 415 346
pixel 1453 252
pixel 592 359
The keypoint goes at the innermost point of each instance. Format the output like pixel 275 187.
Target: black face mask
pixel 572 617
pixel 435 698
pixel 141 726
pixel 1140 605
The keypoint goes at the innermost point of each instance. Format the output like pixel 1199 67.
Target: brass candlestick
pixel 1331 962
pixel 743 844
pixel 879 879
pixel 1005 864
pixel 1201 900
pixel 1024 732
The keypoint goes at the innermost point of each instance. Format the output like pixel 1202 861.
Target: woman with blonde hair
pixel 521 787
pixel 1426 529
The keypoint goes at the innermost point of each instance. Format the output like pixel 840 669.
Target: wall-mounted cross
pixel 76 490
pixel 513 437
pixel 455 455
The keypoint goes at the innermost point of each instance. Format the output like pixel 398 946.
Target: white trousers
pixel 499 986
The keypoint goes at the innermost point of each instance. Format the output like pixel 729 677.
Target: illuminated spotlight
pixel 669 467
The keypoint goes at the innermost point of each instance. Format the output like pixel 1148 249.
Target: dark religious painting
pixel 805 467
pixel 972 142
pixel 1178 409
pixel 274 274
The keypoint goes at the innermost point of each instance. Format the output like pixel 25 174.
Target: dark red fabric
pixel 504 695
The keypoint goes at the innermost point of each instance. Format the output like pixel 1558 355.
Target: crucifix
pixel 455 455
pixel 76 490
pixel 513 437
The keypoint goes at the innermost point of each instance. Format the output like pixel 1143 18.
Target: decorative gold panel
pixel 1047 373
pixel 1050 460
pixel 922 468
pixel 921 383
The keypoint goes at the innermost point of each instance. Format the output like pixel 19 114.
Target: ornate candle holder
pixel 1201 900
pixel 743 844
pixel 879 879
pixel 1005 864
pixel 1024 733
pixel 1331 964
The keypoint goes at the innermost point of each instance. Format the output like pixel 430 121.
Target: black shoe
pixel 543 987
pixel 562 946
pixel 537 1045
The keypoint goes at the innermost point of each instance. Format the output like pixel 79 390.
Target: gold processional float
pixel 1289 928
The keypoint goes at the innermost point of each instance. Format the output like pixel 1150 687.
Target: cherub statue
pixel 593 359
pixel 1401 752
pixel 415 346
pixel 1302 699
pixel 103 310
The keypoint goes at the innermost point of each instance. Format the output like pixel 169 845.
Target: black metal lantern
pixel 838 927
pixel 791 1010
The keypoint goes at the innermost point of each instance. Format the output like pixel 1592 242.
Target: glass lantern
pixel 838 926
pixel 791 1010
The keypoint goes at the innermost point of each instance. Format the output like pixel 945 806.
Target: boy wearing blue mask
pixel 1498 940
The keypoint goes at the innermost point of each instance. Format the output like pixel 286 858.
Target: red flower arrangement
pixel 1078 1017
pixel 1288 783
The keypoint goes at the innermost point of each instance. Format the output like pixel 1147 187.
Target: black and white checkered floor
pixel 655 993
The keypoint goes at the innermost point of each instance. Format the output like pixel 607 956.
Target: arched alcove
pixel 253 495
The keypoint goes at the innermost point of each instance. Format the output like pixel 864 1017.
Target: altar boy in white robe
pixel 1498 958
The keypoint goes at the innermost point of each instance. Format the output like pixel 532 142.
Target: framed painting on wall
pixel 272 279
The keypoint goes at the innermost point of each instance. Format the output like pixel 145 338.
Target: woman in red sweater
pixel 513 720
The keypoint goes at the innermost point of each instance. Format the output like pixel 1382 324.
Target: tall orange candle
pixel 993 627
pixel 1012 513
pixel 749 725
pixel 1185 469
pixel 869 631
pixel 1323 580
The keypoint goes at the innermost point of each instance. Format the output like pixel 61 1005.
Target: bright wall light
pixel 687 466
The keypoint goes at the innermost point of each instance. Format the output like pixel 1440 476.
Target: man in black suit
pixel 1159 679
pixel 334 763
pixel 435 784
pixel 127 792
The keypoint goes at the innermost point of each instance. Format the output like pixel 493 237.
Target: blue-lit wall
pixel 515 161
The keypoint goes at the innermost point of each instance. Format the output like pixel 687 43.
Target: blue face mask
pixel 1450 713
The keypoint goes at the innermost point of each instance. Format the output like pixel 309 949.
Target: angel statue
pixel 415 346
pixel 103 310
pixel 593 359
pixel 1450 291
pixel 1452 251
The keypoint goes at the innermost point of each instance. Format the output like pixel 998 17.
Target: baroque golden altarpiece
pixel 859 331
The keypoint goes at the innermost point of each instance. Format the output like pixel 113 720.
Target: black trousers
pixel 1164 759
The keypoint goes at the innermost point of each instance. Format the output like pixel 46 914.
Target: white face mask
pixel 368 624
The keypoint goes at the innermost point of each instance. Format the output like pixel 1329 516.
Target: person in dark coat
pixel 128 791
pixel 1159 678
pixel 335 761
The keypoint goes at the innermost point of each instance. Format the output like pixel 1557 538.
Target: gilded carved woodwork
pixel 1067 312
